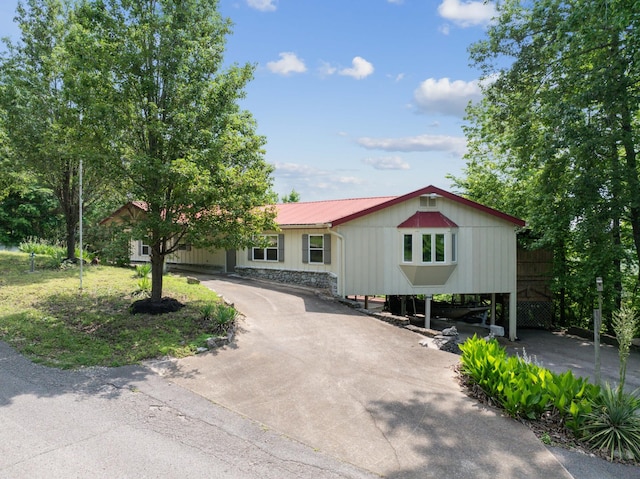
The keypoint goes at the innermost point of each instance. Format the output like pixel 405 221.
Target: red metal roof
pixel 324 212
pixel 428 219
pixel 428 191
pixel 336 212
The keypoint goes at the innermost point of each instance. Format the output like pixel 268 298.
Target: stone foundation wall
pixel 312 279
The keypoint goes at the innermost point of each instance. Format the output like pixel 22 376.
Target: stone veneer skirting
pixel 312 279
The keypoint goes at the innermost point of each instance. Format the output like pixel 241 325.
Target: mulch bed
pixel 146 306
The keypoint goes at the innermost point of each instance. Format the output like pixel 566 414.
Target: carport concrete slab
pixel 357 388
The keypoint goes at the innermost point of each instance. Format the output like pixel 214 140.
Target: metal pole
pixel 597 324
pixel 80 222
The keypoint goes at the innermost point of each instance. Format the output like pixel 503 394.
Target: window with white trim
pixel 407 250
pixel 430 247
pixel 143 249
pixel 316 248
pixel 268 252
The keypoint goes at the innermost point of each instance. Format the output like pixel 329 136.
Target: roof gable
pixel 427 191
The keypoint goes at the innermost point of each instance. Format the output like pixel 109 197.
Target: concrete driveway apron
pixel 356 388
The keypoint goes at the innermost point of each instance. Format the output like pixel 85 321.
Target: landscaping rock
pixel 192 280
pixel 452 331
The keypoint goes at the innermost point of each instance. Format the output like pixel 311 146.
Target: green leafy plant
pixel 220 317
pixel 144 286
pixel 143 270
pixel 624 322
pixel 225 315
pixel 613 424
pixel 522 388
pixel 207 311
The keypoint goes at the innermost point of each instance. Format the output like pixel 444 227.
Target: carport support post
pixel 427 312
pixel 493 309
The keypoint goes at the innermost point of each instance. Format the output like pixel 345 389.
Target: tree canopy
pixel 555 138
pixel 153 78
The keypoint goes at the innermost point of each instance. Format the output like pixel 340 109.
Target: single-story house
pixel 426 242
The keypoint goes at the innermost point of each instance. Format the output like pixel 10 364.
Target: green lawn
pixel 45 316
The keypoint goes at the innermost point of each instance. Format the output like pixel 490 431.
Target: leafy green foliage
pixel 625 324
pixel 613 424
pixel 44 124
pixel 152 75
pixel 555 139
pixel 27 212
pixel 219 318
pixel 143 270
pixel 524 389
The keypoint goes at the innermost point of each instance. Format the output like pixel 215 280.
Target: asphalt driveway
pixel 357 389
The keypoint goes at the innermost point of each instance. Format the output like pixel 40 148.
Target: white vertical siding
pixel 293 254
pixel 485 260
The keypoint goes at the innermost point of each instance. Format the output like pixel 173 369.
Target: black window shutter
pixel 305 248
pixel 281 248
pixel 327 249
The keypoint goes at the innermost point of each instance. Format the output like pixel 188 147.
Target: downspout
pixel 341 268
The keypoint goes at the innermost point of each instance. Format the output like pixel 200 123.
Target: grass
pixel 46 317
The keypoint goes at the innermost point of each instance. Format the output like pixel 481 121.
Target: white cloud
pixel 398 78
pixel 445 29
pixel 305 177
pixel 326 69
pixel 387 163
pixel 262 5
pixel 454 144
pixel 445 96
pixel 360 69
pixel 467 13
pixel 397 2
pixel 288 63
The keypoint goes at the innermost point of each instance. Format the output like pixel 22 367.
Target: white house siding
pixel 202 258
pixel 486 259
pixel 293 269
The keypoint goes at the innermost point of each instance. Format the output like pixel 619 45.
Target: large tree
pixel 555 138
pixel 154 70
pixel 42 121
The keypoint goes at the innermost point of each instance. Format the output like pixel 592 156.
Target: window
pixel 269 252
pixel 184 247
pixel 143 249
pixel 439 248
pixel 436 247
pixel 408 249
pixel 426 248
pixel 316 249
pixel 454 247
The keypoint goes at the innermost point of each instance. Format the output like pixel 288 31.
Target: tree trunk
pixel 157 269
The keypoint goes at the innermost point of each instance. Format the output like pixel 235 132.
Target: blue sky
pixel 355 97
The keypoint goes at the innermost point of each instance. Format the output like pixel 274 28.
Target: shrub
pixel 221 317
pixel 524 389
pixel 143 270
pixel 613 424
